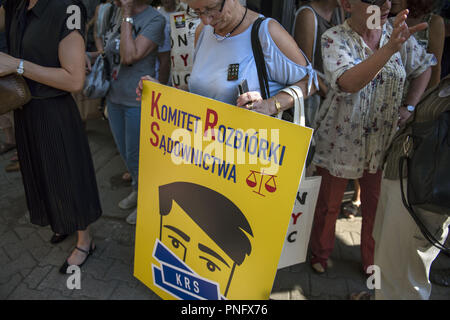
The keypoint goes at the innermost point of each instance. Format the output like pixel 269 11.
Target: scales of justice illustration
pixel 253 181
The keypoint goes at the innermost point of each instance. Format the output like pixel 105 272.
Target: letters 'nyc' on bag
pixel 427 155
pixel 14 93
pixel 297 238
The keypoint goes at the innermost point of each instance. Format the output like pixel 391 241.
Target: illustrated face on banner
pixel 213 213
pixel 204 228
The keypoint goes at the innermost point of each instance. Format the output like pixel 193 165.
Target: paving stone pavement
pixel 29 263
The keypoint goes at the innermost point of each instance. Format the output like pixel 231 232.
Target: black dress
pixel 54 155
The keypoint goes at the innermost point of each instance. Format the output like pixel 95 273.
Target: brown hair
pixel 418 8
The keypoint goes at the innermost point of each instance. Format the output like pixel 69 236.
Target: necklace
pixel 221 38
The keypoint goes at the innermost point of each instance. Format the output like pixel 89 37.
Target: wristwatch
pixel 20 68
pixel 128 19
pixel 277 104
pixel 410 108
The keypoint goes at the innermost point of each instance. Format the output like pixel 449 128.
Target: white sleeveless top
pixel 212 59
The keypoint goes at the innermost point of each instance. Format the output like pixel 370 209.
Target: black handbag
pixel 427 156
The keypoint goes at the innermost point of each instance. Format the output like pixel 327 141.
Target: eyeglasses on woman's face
pixel 378 3
pixel 208 12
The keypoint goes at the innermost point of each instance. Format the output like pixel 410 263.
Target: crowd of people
pixel 361 86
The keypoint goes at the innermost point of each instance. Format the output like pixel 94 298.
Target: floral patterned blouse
pixel 353 130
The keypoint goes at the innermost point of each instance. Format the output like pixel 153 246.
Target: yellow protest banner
pixel 217 186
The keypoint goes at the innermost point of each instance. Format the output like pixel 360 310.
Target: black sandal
pixel 57 238
pixel 5 147
pixel 66 265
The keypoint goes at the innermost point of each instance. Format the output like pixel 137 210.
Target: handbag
pixel 427 158
pixel 14 93
pixel 97 82
pixel 296 243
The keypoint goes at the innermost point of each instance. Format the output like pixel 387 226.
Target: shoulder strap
pixel 425 232
pixel 259 59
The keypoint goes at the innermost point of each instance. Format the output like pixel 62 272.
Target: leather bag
pixel 14 93
pixel 427 155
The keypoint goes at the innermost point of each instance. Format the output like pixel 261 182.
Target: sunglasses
pixel 378 3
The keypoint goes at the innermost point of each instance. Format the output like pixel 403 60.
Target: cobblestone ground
pixel 29 263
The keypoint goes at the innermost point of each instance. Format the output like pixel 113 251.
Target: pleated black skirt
pixel 56 164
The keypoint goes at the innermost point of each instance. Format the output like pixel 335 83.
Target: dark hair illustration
pixel 215 214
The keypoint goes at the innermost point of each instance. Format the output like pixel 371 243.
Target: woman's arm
pixel 356 78
pixel 288 46
pixel 416 89
pixel 2 19
pixel 304 36
pixel 98 40
pixel 70 77
pixel 164 67
pixel 131 50
pixel 436 47
pixel 304 32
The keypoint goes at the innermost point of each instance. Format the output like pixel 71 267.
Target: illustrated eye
pixel 210 265
pixel 175 242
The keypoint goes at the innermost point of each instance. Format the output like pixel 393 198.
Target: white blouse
pixel 353 130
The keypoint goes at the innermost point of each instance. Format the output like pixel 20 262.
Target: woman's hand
pixel 140 86
pixel 403 116
pixel 8 64
pixel 127 6
pixel 253 101
pixel 402 32
pixel 87 59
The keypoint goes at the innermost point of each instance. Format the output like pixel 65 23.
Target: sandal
pixel 13 166
pixel 350 210
pixel 66 265
pixel 363 295
pixel 126 176
pixel 5 147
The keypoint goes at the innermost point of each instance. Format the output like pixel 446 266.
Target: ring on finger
pixel 250 106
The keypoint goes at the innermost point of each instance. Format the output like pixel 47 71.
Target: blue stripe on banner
pixel 163 254
pixel 179 280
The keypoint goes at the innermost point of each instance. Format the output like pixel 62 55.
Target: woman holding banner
pixel 366 66
pixel 224 58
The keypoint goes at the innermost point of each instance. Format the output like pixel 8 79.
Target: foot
pixel 350 210
pixel 363 295
pixel 12 166
pixel 126 177
pixel 129 202
pixel 317 267
pixel 5 147
pixel 57 238
pixel 131 219
pixel 78 257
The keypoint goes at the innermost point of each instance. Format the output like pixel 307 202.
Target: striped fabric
pixel 56 164
pixel 429 108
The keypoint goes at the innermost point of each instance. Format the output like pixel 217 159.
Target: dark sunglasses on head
pixel 374 2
